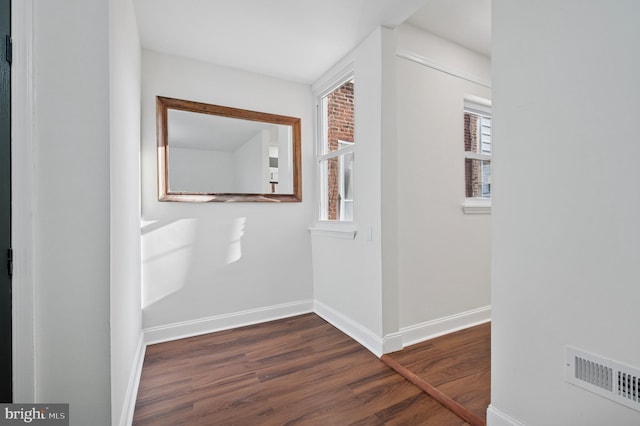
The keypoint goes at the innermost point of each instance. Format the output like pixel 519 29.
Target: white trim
pixel 126 418
pixel 445 325
pixel 392 343
pixel 324 86
pixel 351 328
pixel 405 54
pixel 476 102
pixel 338 152
pixel 24 362
pixel 333 230
pixel 477 206
pixel 477 156
pixel 197 327
pixel 477 105
pixel 496 417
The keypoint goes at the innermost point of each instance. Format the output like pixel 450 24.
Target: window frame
pixel 323 155
pixel 346 151
pixel 482 108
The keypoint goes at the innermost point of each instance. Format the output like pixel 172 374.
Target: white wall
pixel 217 261
pixel 200 170
pixel 443 52
pixel 565 212
pixel 444 255
pixel 347 272
pixel 126 314
pixel 416 257
pixel 389 193
pixel 72 207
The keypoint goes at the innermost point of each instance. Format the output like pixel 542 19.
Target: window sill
pixel 477 206
pixel 334 230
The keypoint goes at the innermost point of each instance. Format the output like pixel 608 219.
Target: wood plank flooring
pixel 295 371
pixel 457 364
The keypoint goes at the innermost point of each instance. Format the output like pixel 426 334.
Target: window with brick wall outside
pixel 477 147
pixel 336 153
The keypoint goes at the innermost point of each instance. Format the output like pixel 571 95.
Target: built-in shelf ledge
pixel 477 206
pixel 333 231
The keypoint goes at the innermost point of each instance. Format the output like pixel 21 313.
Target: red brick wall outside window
pixel 340 127
pixel 471 167
pixel 477 169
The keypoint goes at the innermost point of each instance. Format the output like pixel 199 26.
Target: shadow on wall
pixel 170 249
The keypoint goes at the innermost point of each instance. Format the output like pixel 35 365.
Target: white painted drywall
pixel 565 211
pixel 416 257
pixel 205 260
pixel 388 186
pixel 443 254
pixel 126 312
pixel 72 207
pixel 443 52
pixel 347 272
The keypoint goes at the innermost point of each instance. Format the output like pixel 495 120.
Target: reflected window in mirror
pixel 336 151
pixel 210 152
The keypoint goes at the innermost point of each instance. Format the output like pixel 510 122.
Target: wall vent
pixel 611 379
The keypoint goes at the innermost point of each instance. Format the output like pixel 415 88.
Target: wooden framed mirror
pixel 213 153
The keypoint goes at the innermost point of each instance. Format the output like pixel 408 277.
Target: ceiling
pixel 297 40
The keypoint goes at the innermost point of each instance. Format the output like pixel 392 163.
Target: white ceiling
pixel 296 40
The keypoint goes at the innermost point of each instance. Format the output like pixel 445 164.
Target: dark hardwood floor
pixel 457 364
pixel 298 370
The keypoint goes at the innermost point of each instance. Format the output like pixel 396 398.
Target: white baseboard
pixel 351 328
pixel 224 322
pixel 392 342
pixel 445 325
pixel 130 397
pixel 496 417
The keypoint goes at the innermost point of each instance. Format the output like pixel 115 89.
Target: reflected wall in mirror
pixel 216 153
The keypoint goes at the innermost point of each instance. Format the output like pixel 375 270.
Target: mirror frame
pixel 163 104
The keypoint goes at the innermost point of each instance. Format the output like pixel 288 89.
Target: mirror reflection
pixel 214 153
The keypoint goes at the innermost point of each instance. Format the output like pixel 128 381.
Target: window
pixel 477 161
pixel 336 152
pixel 345 171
